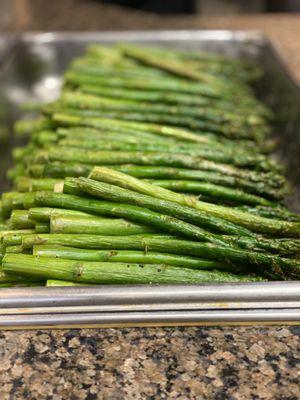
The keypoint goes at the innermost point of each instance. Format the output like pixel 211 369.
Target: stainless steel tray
pixel 30 68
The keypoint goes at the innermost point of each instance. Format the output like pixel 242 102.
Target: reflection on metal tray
pixel 31 66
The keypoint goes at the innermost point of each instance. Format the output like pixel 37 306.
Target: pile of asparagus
pixel 153 166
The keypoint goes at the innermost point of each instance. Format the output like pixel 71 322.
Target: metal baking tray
pixel 31 66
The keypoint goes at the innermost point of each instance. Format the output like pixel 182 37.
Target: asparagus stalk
pixel 184 122
pixel 7 202
pixel 88 241
pixel 218 97
pixel 14 238
pixel 133 213
pixel 187 214
pixel 112 273
pixel 119 126
pixel 14 249
pixel 25 127
pixel 44 214
pixel 95 225
pixel 15 200
pixel 271 266
pixel 56 282
pixel 161 172
pixel 73 253
pixel 215 191
pixel 42 227
pixel 59 169
pixel 128 87
pixel 78 99
pixel 149 158
pixel 135 136
pixel 91 66
pixel 134 132
pixel 200 188
pixel 103 190
pixel 14 279
pixel 122 135
pixel 145 95
pixel 172 66
pixel 163 85
pixel 206 152
pixel 26 184
pixel 252 222
pixel 19 219
pixel 271 212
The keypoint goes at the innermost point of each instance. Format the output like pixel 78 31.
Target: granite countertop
pixel 221 363
pixel 151 363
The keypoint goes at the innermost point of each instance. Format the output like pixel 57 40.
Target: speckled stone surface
pixel 229 363
pixel 219 363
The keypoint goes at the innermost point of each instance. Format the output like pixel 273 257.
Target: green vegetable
pixel 112 273
pixel 255 223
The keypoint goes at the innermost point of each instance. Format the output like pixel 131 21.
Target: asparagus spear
pixel 253 222
pixel 129 86
pixel 44 214
pixel 26 184
pixel 160 206
pixel 172 66
pixel 59 169
pixel 73 253
pixel 243 113
pixel 206 152
pixel 95 225
pixel 56 282
pixel 15 200
pixel 15 279
pixel 149 158
pixel 103 190
pixel 146 95
pixel 123 135
pixel 7 202
pixel 224 98
pixel 157 220
pixel 271 266
pixel 271 212
pixel 110 273
pixel 161 172
pixel 94 68
pixel 19 219
pixel 14 238
pixel 42 227
pixel 78 99
pixel 118 131
pixel 166 60
pixel 25 127
pixel 184 122
pixel 215 191
pixel 14 249
pixel 162 84
pixel 119 125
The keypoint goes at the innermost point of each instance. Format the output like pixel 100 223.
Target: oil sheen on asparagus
pixel 153 166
